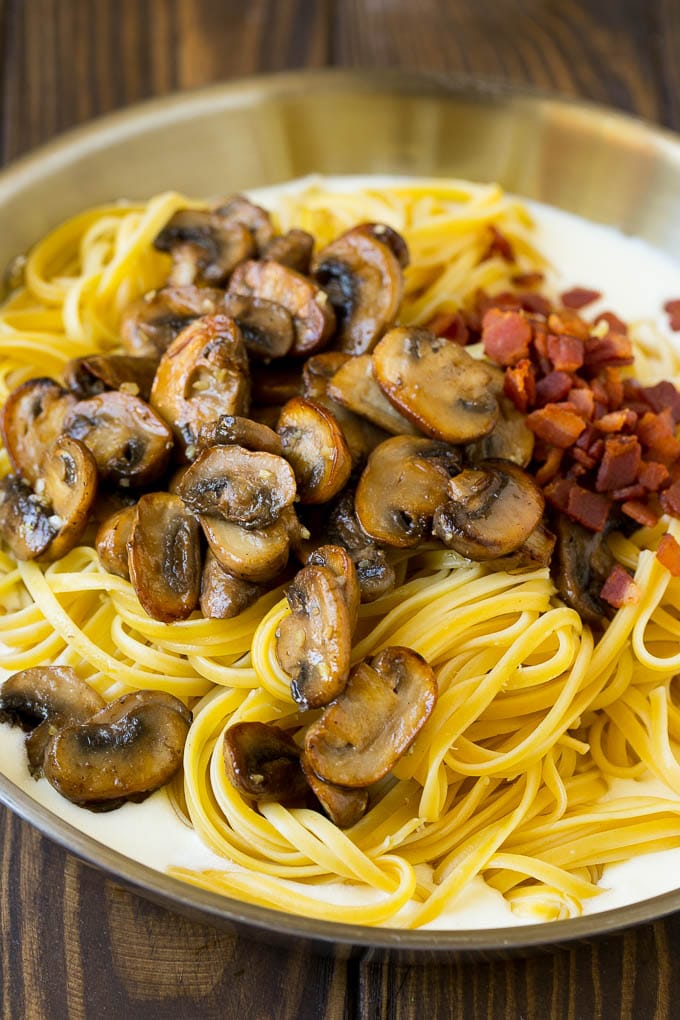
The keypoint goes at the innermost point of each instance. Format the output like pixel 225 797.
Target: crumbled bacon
pixel 588 508
pixel 612 349
pixel 672 309
pixel 451 325
pixel 579 297
pixel 670 499
pixel 620 589
pixel 565 352
pixel 668 554
pixel 552 388
pixel 506 336
pixel 653 475
pixel 499 245
pixel 528 279
pixel 520 385
pixel 640 512
pixel 615 324
pixel 558 426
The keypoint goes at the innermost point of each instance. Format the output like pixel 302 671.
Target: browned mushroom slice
pixel 362 276
pixel 224 596
pixel 231 428
pixel 311 311
pixel 43 699
pixel 129 441
pixel 375 575
pixel 338 561
pixel 314 643
pixel 262 762
pixel 87 377
pixel 267 328
pixel 437 384
pixel 70 486
pixel 165 557
pixel 151 324
pixel 315 446
pixel 386 702
pixel 202 375
pixel 27 524
pixel 254 554
pixel 292 249
pixel 510 439
pixel 318 370
pixel 32 418
pixel 343 806
pixel 205 246
pixel 240 209
pixel 112 540
pixel 250 489
pixel 491 511
pixel 354 386
pixel 402 485
pixel 125 751
pixel 536 551
pixel 581 565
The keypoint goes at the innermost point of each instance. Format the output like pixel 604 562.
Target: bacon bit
pixel 558 491
pixel 568 323
pixel 552 464
pixel 450 325
pixel 620 589
pixel 556 425
pixel 613 385
pixel 552 388
pixel 661 396
pixel 579 297
pixel 672 309
pixel 535 303
pixel 616 421
pixel 500 245
pixel 583 458
pixel 653 475
pixel 565 352
pixel 620 463
pixel 520 385
pixel 506 336
pixel 583 401
pixel 596 449
pixel 656 432
pixel 588 508
pixel 528 279
pixel 612 349
pixel 640 513
pixel 668 554
pixel 616 325
pixel 670 500
pixel 629 492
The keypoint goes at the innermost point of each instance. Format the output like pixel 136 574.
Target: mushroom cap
pixel 205 245
pixel 314 444
pixel 26 522
pixel 314 643
pixel 509 439
pixel 363 733
pixel 164 557
pixel 437 384
pixel 224 596
pixel 125 751
pixel 292 249
pixel 581 565
pixel 262 762
pixel 339 562
pixel 91 375
pixel 355 387
pixel 31 419
pixel 111 541
pixel 363 279
pixel 231 428
pixel 130 443
pixel 403 483
pixel 248 488
pixel 491 511
pixel 240 209
pixel 267 328
pixel 70 485
pixel 375 575
pixel 253 554
pixel 149 325
pixel 311 311
pixel 202 375
pixel 343 806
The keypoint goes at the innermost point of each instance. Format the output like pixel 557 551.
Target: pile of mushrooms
pixel 266 402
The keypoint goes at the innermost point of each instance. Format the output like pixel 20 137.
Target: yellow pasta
pixel 507 779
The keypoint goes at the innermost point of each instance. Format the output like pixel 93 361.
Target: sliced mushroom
pixel 437 384
pixel 248 488
pixel 375 575
pixel 223 595
pixel 240 209
pixel 151 324
pixel 318 370
pixel 43 699
pixel 402 485
pixel 339 562
pixel 27 524
pixel 112 540
pixel 313 316
pixel 492 510
pixel 362 275
pixel 125 751
pixel 202 375
pixel 253 554
pixel 70 486
pixel 32 418
pixel 354 386
pixel 267 328
pixel 292 249
pixel 532 554
pixel 262 762
pixel 206 246
pixel 129 441
pixel 581 565
pixel 510 439
pixel 343 806
pixel 230 428
pixel 165 557
pixel 314 444
pixel 386 702
pixel 87 377
pixel 314 643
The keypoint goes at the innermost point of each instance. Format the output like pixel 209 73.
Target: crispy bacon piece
pixel 556 425
pixel 520 385
pixel 616 421
pixel 565 352
pixel 506 336
pixel 552 388
pixel 657 433
pixel 583 400
pixel 615 324
pixel 640 512
pixel 588 508
pixel 528 279
pixel 499 245
pixel 579 297
pixel 653 475
pixel 668 554
pixel 620 463
pixel 450 325
pixel 663 395
pixel 670 500
pixel 620 589
pixel 672 309
pixel 612 349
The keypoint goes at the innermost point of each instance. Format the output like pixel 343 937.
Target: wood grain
pixel 73 943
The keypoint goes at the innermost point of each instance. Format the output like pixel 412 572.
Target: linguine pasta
pixel 509 778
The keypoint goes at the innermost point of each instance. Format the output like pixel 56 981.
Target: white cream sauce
pixel 635 280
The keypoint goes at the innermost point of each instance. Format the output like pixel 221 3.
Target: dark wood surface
pixel 72 942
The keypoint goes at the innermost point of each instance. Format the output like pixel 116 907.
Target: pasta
pixel 508 780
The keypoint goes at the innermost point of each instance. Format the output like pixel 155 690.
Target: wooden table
pixel 73 943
